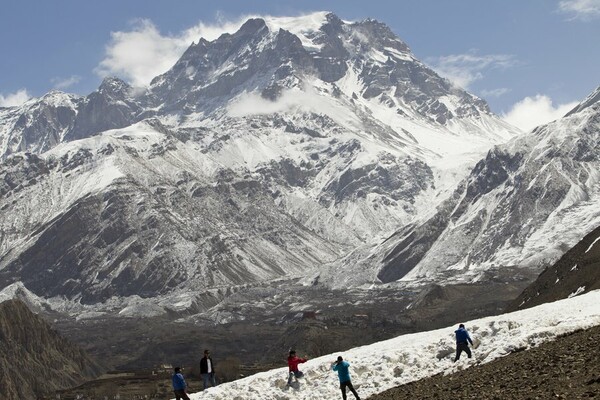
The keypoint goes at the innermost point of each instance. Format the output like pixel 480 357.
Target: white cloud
pixel 534 111
pixel 143 53
pixel 14 99
pixel 306 100
pixel 464 69
pixel 63 83
pixel 495 92
pixel 290 99
pixel 254 104
pixel 581 9
pixel 213 31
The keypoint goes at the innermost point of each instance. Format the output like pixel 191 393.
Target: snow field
pixel 383 365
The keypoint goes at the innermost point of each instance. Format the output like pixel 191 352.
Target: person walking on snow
pixel 342 367
pixel 179 385
pixel 207 370
pixel 462 342
pixel 293 361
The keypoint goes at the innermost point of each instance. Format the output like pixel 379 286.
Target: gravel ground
pixel 568 368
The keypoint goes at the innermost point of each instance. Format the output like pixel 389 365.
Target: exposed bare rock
pixel 577 272
pixel 35 359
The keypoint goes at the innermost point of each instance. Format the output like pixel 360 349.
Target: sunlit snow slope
pixel 380 366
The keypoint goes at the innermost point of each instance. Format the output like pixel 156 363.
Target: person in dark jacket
pixel 293 361
pixel 207 370
pixel 342 367
pixel 179 385
pixel 462 342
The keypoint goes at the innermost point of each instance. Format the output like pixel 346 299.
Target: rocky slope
pixel 565 368
pixel 34 359
pixel 520 209
pixel 102 222
pixel 264 154
pixel 577 272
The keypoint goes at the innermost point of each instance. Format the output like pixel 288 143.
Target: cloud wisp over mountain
pixel 464 69
pixel 140 54
pixel 534 111
pixel 14 99
pixel 64 83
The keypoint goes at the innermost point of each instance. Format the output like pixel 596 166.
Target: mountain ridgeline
pixel 523 205
pixel 141 192
pixel 289 149
pixel 575 273
pixel 35 360
pixel 259 57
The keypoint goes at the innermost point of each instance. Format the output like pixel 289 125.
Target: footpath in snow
pixel 380 366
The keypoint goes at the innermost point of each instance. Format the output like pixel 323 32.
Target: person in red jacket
pixel 293 361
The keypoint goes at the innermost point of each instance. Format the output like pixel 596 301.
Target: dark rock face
pixel 507 197
pixel 34 359
pixel 49 120
pixel 577 272
pixel 402 180
pixel 39 126
pixel 133 240
pixel 492 172
pixel 110 107
pixel 411 249
pixel 20 171
pixel 331 62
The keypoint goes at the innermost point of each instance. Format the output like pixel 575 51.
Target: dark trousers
pixel 294 375
pixel 460 347
pixel 180 394
pixel 209 379
pixel 348 384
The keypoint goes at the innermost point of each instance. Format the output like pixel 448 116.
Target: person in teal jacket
pixel 342 368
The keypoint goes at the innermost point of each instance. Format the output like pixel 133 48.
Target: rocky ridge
pixel 577 272
pixel 34 359
pixel 266 153
pixel 523 206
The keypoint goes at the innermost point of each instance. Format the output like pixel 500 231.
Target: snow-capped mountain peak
pixel 331 132
pixel 592 99
pixel 305 27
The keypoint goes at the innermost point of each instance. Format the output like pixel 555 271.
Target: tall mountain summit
pixel 264 154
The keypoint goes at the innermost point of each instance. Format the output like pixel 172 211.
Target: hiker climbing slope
pixel 342 368
pixel 462 342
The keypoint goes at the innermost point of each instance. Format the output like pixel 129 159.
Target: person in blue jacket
pixel 462 342
pixel 342 367
pixel 179 385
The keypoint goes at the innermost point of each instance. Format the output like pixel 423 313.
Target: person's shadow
pixel 294 385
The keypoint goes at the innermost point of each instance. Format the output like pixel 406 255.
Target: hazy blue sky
pixel 524 57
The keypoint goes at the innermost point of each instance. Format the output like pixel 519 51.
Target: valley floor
pixel 567 368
